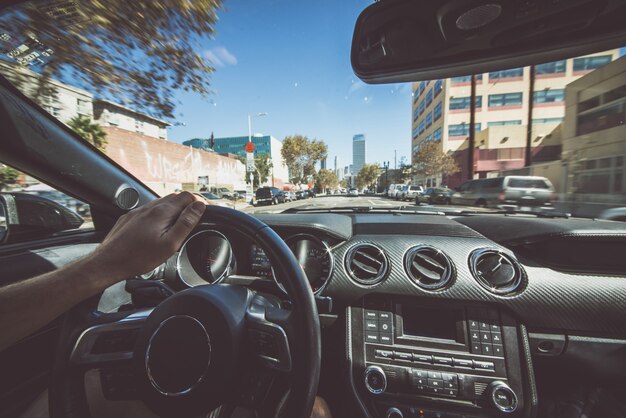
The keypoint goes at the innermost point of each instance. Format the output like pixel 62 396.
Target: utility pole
pixel 395 159
pixel 472 130
pixel 529 124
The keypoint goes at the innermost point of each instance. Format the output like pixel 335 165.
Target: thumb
pixel 186 221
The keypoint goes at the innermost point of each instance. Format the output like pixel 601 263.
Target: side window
pixel 474 185
pixel 464 187
pixel 32 210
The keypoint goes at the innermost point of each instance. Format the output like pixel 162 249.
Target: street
pixel 327 202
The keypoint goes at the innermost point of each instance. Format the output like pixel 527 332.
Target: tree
pixel 431 161
pixel 326 179
pixel 301 154
pixel 343 184
pixel 139 51
pixel 8 176
pixel 263 165
pixel 89 131
pixel 367 176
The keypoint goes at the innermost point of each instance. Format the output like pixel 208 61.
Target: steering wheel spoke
pixel 109 342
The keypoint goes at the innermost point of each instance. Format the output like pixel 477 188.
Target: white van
pixel 393 190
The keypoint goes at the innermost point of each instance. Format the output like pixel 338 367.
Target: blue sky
pixel 291 59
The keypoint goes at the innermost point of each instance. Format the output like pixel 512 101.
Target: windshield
pixel 233 95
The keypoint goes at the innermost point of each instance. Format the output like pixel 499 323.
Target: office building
pixel 441 113
pixel 358 153
pixel 263 145
pixel 323 164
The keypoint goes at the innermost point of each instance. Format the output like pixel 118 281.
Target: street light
pixel 250 176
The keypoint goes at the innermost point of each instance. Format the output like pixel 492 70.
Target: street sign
pixel 249 147
pixel 250 167
pixel 203 180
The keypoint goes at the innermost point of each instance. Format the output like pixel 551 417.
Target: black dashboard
pixel 441 312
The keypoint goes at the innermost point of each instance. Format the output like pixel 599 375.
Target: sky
pixel 291 60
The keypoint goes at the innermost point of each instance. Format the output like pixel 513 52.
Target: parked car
pixel 393 189
pixel 400 191
pixel 435 196
pixel 223 192
pixel 509 192
pixel 411 192
pixel 353 192
pixel 269 196
pixel 614 214
pixel 290 196
pixel 241 194
pixel 214 199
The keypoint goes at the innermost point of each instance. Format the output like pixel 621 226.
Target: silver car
pixel 509 192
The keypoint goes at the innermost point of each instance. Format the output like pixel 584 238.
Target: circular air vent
pixel 496 271
pixel 428 267
pixel 126 197
pixel 367 264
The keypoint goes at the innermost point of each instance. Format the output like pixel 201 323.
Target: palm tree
pixel 89 131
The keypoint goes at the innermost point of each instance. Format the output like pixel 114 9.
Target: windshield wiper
pixel 544 214
pixel 365 209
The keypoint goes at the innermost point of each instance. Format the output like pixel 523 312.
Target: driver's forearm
pixel 27 306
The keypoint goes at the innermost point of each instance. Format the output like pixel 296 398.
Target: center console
pixel 415 359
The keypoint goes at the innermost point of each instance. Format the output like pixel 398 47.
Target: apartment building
pixel 441 113
pixel 113 115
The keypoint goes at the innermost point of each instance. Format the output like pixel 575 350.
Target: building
pixel 263 145
pixel 62 101
pixel 441 113
pixel 358 153
pixel 323 164
pixel 113 115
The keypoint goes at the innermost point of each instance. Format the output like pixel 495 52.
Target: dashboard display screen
pixel 260 264
pixel 430 323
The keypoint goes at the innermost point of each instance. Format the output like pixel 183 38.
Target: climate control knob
pixel 502 397
pixel 375 380
pixel 394 413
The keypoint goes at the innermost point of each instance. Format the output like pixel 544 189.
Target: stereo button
pixel 476 348
pixel 435 383
pixel 384 354
pixel 446 361
pixel 451 392
pixel 487 349
pixel 449 377
pixel 475 336
pixel 485 337
pixel 496 337
pixel 371 325
pixel 484 365
pixel 498 350
pixel 422 358
pixel 385 338
pixel 371 337
pixel 473 325
pixel 371 315
pixel 459 362
pixel 385 326
pixel 384 316
pixel 401 355
pixel 422 374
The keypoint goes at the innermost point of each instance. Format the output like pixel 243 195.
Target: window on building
pixel 53 110
pixel 162 133
pixel 589 104
pixel 615 94
pixel 429 137
pixel 113 119
pixel 507 99
pixel 429 119
pixel 437 135
pixel 503 74
pixel 437 111
pixel 421 127
pixel 422 106
pixel 504 123
pixel 422 87
pixel 547 120
pixel 416 113
pixel 465 79
pixel 429 97
pixel 554 67
pixel 457 103
pixel 415 132
pixel 591 63
pixel 83 107
pixel 461 129
pixel 603 117
pixel 438 87
pixel 549 96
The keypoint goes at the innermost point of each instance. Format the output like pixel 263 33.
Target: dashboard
pixel 443 313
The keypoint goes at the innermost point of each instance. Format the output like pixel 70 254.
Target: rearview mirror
pixel 408 40
pixel 24 217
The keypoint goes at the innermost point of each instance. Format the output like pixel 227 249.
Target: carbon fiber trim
pixel 551 299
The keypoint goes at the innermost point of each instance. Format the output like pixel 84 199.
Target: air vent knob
pixel 375 380
pixel 497 270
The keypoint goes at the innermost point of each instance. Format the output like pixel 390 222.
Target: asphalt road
pixel 326 202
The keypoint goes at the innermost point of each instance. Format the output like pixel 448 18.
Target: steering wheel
pixel 200 348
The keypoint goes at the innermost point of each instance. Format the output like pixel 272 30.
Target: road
pixel 343 201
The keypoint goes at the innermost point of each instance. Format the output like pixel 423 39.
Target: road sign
pixel 249 147
pixel 250 167
pixel 203 180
